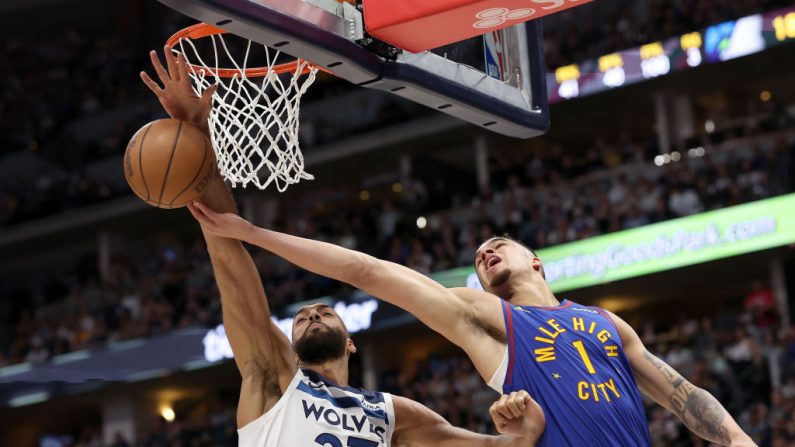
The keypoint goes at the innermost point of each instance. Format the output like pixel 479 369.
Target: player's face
pixel 319 334
pixel 499 259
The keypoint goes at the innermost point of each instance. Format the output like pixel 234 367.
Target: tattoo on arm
pixel 698 409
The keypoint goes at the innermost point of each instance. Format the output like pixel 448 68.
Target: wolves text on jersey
pixel 334 418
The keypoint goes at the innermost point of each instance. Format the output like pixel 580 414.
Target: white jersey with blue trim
pixel 314 411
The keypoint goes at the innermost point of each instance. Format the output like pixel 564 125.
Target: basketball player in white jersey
pixel 297 394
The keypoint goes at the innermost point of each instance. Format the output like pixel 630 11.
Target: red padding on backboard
pixel 419 25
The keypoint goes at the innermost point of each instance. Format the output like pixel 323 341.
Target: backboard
pixel 496 81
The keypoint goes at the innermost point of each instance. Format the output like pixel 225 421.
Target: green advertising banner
pixel 663 246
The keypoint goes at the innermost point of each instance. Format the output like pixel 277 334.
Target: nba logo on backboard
pixel 493 17
pixel 494 50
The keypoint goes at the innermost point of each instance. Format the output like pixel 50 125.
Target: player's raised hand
pixel 517 414
pixel 227 225
pixel 176 95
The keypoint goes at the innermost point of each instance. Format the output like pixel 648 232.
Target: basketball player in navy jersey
pixel 585 366
pixel 296 394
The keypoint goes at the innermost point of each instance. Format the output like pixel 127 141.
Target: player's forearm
pixel 322 258
pixel 232 265
pixel 237 278
pixel 697 409
pixel 219 199
pixel 419 295
pixel 510 441
pixel 470 439
pixel 446 435
pixel 706 417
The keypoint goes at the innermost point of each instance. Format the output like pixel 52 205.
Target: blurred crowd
pixel 68 102
pixel 216 427
pixel 450 386
pixel 168 288
pixel 743 357
pixel 584 36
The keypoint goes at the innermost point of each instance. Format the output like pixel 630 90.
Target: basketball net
pixel 254 120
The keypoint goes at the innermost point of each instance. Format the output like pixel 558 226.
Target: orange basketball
pixel 169 163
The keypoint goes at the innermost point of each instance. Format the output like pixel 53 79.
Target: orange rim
pixel 201 30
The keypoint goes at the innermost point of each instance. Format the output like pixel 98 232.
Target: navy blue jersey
pixel 571 360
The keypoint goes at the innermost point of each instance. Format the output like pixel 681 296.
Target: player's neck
pixel 333 370
pixel 532 293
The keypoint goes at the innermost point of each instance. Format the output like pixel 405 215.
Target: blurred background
pixel 673 124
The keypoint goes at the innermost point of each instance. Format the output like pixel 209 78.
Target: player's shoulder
pixel 486 307
pixel 625 330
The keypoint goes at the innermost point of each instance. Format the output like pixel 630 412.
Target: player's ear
pixel 351 347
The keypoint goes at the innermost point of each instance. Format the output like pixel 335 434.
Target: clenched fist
pixel 517 414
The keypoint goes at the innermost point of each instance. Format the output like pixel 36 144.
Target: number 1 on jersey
pixel 584 355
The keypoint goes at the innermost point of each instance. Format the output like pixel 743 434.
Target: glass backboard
pixel 496 81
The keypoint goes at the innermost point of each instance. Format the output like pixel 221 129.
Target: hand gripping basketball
pixel 517 414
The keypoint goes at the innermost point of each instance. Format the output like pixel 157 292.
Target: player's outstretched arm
pixel 263 353
pixel 474 324
pixel 521 421
pixel 697 409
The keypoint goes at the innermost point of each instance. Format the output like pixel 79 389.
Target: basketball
pixel 168 163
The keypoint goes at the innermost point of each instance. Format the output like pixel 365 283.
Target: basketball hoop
pixel 254 120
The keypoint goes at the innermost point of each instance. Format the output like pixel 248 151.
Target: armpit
pixel 485 327
pixel 476 321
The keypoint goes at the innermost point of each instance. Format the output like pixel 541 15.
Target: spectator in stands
pixel 684 201
pixel 760 303
pixel 119 441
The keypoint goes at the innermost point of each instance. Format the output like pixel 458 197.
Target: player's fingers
pixel 182 66
pixel 512 406
pixel 171 62
pixel 499 421
pixel 207 94
pixel 210 91
pixel 501 408
pixel 196 213
pixel 521 398
pixel 210 215
pixel 161 72
pixel 204 214
pixel 495 405
pixel 495 415
pixel 505 413
pixel 206 211
pixel 153 86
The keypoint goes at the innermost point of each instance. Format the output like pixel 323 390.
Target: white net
pixel 254 120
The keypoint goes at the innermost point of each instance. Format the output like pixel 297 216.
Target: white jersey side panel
pixel 315 412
